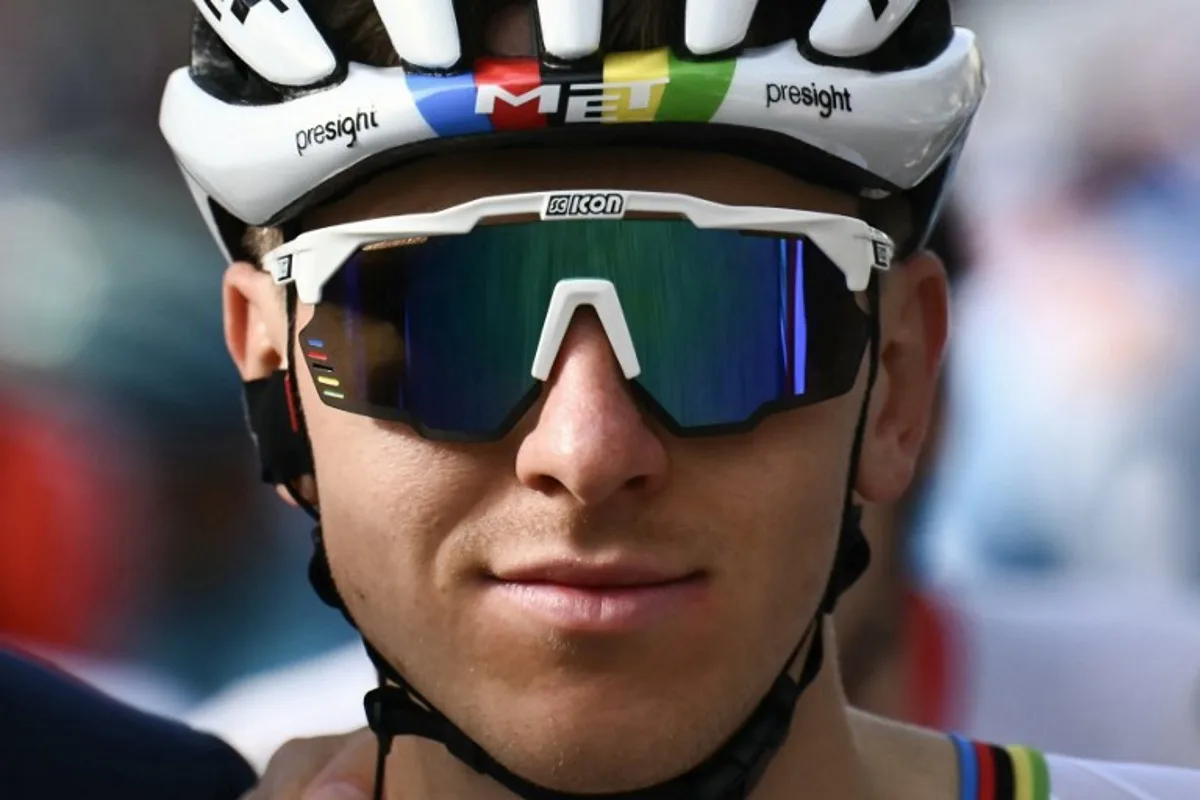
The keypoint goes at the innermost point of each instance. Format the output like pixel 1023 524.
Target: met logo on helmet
pixel 579 102
pixel 518 94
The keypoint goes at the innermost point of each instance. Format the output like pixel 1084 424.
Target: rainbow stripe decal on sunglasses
pixel 327 381
pixel 513 94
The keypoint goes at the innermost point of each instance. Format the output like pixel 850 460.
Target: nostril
pixel 544 484
pixel 550 486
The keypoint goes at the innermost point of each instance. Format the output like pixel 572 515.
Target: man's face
pixel 420 534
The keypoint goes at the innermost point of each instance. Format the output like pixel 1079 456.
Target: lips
pixel 596 598
pixel 595 575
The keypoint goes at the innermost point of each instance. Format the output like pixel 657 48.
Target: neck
pixel 871 619
pixel 821 758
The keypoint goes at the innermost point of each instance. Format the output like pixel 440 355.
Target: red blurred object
pixel 65 508
pixel 935 662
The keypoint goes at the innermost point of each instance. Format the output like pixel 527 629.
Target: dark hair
pixel 356 32
pixel 354 29
pixel 950 240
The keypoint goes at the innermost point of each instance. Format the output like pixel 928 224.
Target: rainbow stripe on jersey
pixel 515 94
pixel 988 772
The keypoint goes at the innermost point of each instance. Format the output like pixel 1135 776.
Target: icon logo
pixel 585 205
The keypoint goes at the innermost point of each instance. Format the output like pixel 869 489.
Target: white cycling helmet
pixel 870 96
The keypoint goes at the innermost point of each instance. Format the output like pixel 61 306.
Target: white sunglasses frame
pixel 312 258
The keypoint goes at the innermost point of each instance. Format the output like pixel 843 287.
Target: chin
pixel 605 741
pixel 599 759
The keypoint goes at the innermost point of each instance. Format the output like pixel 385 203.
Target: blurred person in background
pixel 120 519
pixel 79 531
pixel 61 739
pixel 1077 448
pixel 1061 522
pixel 1075 453
pixel 135 552
pixel 72 72
pixel 137 457
pixel 72 576
pixel 1063 517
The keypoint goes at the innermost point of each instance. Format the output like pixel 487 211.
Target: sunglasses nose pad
pixel 568 296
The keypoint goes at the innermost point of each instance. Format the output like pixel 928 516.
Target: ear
pixel 914 322
pixel 255 321
pixel 256 336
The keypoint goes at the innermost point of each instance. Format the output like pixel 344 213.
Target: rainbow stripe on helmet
pixel 514 94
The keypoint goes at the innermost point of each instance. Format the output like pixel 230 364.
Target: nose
pixel 590 439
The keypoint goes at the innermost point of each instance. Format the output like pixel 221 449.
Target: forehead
pixel 440 182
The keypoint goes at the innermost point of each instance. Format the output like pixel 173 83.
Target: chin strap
pixel 277 427
pixel 732 772
pixel 276 421
pixel 397 709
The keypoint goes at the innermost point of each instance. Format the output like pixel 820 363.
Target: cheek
pixel 797 519
pixel 779 504
pixel 390 504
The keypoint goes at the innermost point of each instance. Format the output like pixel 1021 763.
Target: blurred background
pixel 137 547
pixel 136 542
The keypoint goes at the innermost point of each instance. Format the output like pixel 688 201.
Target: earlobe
pixel 306 486
pixel 255 321
pixel 914 316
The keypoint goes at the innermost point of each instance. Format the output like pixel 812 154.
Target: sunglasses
pixel 451 321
